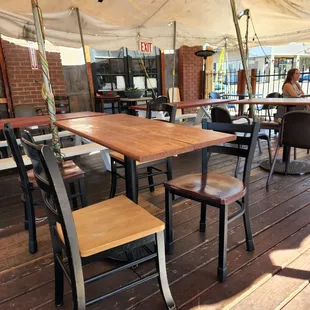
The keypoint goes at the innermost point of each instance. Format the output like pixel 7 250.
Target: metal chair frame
pixel 58 209
pixel 160 104
pixel 294 132
pixel 247 141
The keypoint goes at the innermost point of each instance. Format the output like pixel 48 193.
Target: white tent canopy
pixel 121 23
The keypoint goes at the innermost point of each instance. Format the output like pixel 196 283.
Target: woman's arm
pixel 299 87
pixel 288 89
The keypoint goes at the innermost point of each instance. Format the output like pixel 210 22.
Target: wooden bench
pixel 9 163
pixel 40 138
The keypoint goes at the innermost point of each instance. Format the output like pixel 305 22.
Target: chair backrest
pixel 160 104
pixel 243 146
pixel 214 95
pixel 220 115
pixel 294 131
pixel 50 181
pixel 17 155
pixel 274 95
pixel 25 110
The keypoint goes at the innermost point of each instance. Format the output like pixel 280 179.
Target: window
pixel 117 70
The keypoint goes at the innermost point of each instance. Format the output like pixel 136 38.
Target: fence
pixel 265 83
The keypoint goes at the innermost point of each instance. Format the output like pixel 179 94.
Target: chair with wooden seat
pixel 117 160
pixel 216 190
pixel 221 115
pixel 70 172
pixel 87 235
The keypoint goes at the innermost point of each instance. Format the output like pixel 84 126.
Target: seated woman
pixel 291 87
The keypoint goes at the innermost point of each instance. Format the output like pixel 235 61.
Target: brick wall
pixel 25 83
pixel 190 67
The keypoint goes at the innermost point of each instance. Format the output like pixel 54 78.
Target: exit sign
pixel 145 47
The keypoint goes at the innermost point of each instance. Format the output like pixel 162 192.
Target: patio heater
pixel 204 54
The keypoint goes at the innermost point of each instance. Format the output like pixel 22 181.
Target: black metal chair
pixel 221 115
pixel 71 173
pixel 87 234
pixel 294 132
pixel 160 104
pixel 218 190
pixel 267 107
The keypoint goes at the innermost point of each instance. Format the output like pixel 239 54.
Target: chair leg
pixel 161 265
pixel 295 153
pixel 269 148
pixel 73 193
pixel 272 168
pixel 59 282
pixel 82 192
pixel 223 231
pixel 308 151
pixel 203 214
pixel 113 178
pixel 168 211
pixel 31 223
pixel 247 226
pixel 259 146
pixel 26 216
pixel 150 179
pixel 237 167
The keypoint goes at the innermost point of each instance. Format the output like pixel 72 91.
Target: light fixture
pixel 244 12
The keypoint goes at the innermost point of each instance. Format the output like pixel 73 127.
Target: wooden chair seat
pixel 111 223
pixel 211 188
pixel 269 125
pixel 69 172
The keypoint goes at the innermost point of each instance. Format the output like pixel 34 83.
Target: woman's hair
pixel 289 76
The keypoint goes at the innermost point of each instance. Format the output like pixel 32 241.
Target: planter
pixel 133 94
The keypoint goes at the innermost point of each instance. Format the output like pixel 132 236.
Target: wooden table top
pixel 278 101
pixel 143 139
pixel 21 122
pixel 136 99
pixel 189 103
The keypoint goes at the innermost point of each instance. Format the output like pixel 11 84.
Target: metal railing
pixel 265 83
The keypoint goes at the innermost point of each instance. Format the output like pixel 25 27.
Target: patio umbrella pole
pixel 47 91
pixel 174 56
pixel 243 58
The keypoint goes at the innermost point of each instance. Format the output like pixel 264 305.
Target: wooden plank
pixel 3 100
pixel 282 287
pixel 149 139
pixel 301 301
pixel 278 101
pixel 252 276
pixel 21 122
pixel 196 266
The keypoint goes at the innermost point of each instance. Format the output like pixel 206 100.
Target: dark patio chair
pixel 221 115
pixel 216 95
pixel 294 132
pixel 267 107
pixel 87 235
pixel 160 104
pixel 218 190
pixel 71 173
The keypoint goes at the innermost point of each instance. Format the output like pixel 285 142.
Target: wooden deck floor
pixel 275 276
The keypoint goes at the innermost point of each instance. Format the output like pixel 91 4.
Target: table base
pixel 295 167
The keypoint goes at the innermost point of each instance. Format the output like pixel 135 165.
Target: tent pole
pixel 243 59
pixel 47 91
pixel 85 59
pixel 174 56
